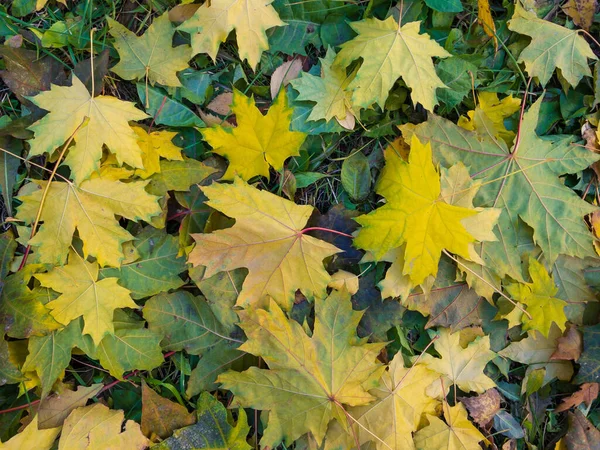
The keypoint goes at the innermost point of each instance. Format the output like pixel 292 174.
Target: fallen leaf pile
pixel 325 225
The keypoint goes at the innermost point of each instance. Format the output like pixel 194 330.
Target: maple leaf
pixel 389 51
pixel 212 416
pixel 161 416
pixel 84 296
pixel 107 124
pixel 457 433
pixel 552 46
pixel 539 296
pixel 153 146
pixel 488 116
pixel 258 141
pixel 154 269
pixel 23 311
pixel 212 22
pixel 400 403
pixel 535 351
pixel 56 408
pixel 523 182
pixel 329 91
pixel 32 437
pixel 90 209
pixel 460 366
pixel 415 214
pixel 151 55
pixel 267 239
pixel 97 426
pixel 309 378
pixel 48 356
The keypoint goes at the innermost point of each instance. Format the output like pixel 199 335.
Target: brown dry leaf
pixel 591 143
pixel 582 434
pixel 581 11
pixel 161 416
pixel 285 73
pixel 587 393
pixel 221 104
pixel 181 13
pixel 482 408
pixel 570 346
pixel 211 120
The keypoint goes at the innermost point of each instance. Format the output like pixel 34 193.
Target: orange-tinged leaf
pixel 258 141
pixel 107 124
pixel 309 378
pixel 84 295
pixel 161 416
pixel 267 239
pixel 587 393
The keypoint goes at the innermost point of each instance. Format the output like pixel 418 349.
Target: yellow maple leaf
pixel 107 124
pixel 484 16
pixel 457 433
pixel 213 21
pixel 267 239
pixel 90 209
pixel 415 214
pixel 32 437
pixel 84 295
pixel 258 141
pixel 155 145
pixel 540 300
pixel 460 366
pixel 98 427
pixel 400 403
pixel 488 116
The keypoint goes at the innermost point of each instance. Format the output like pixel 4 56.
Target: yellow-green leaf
pixel 105 120
pixel 213 21
pixel 90 210
pixel 84 296
pixel 389 52
pixel 151 55
pixel 309 378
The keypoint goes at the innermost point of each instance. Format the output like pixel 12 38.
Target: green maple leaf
pixel 551 47
pixel 522 181
pixel 329 91
pixel 23 311
pixel 390 51
pixel 150 55
pixel 309 378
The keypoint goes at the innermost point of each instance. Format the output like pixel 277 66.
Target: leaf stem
pixel 325 229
